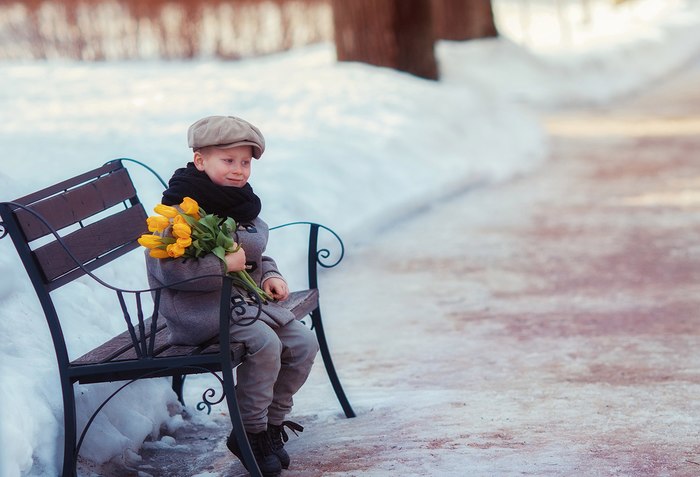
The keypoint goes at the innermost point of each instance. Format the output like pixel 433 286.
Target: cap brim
pixel 257 152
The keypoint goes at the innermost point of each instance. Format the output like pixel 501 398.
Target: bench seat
pixel 121 348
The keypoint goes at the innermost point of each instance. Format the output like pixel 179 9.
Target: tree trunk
pixel 391 33
pixel 460 20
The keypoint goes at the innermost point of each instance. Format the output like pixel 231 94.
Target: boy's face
pixel 225 167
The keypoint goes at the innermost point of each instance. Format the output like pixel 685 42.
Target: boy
pixel 279 350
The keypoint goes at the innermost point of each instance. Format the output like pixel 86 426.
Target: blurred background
pixel 167 29
pixel 97 30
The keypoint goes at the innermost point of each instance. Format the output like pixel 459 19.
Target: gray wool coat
pixel 191 309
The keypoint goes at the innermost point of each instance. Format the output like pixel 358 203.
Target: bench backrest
pixel 97 214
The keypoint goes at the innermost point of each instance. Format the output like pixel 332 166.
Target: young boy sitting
pixel 279 350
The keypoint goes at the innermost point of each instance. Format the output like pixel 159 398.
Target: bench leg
pixel 70 459
pixel 237 422
pixel 328 362
pixel 178 383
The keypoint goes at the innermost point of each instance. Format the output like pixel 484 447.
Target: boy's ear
pixel 198 160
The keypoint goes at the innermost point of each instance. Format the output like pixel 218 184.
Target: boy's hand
pixel 235 262
pixel 276 288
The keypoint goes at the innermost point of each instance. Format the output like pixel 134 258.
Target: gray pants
pixel 276 365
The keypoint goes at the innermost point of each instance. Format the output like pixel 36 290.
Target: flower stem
pixel 249 280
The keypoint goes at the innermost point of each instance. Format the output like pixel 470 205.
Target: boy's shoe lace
pixel 261 445
pixel 278 436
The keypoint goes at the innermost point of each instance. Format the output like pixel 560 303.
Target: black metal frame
pixel 145 366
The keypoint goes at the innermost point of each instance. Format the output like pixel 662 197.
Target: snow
pixel 348 145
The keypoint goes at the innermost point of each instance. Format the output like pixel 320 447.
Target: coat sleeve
pixel 173 270
pixel 269 269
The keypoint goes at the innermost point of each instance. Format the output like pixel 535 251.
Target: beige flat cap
pixel 225 132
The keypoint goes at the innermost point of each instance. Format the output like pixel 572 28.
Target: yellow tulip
pixel 174 250
pixel 165 210
pixel 157 223
pixel 181 230
pixel 150 241
pixel 158 253
pixel 179 219
pixel 184 242
pixel 190 206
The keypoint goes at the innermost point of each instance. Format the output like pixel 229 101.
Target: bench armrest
pixel 318 256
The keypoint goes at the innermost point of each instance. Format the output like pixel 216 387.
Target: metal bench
pixel 72 228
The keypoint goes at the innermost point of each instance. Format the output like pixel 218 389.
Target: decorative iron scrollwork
pixel 324 253
pixel 205 403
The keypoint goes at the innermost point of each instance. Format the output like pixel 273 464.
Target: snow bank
pixel 622 52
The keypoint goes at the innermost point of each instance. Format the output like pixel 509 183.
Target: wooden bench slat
pixel 109 350
pixel 302 302
pixel 91 241
pixel 161 344
pixel 69 183
pixel 76 204
pixel 106 353
pixel 93 265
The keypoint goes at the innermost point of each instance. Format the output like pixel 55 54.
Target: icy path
pixel 547 326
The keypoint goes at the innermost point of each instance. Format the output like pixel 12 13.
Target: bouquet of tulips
pixel 194 234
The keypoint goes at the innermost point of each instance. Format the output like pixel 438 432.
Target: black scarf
pixel 240 203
